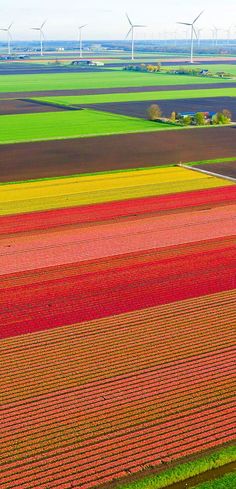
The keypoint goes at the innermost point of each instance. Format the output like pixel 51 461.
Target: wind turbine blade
pixel 10 26
pixel 139 25
pixel 43 24
pixel 183 23
pixel 129 19
pixel 127 35
pixel 35 29
pixel 198 16
pixel 82 26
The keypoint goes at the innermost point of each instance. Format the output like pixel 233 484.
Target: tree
pixel 220 118
pixel 199 118
pixel 227 114
pixel 154 112
pixel 187 120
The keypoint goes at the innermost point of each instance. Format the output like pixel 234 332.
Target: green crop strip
pixel 74 124
pixel 109 79
pixel 184 471
pixel 139 96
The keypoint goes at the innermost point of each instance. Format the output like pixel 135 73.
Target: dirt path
pixel 55 93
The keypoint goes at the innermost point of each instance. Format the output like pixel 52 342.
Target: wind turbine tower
pixel 80 28
pixel 9 37
pixel 193 32
pixel 41 35
pixel 216 30
pixel 131 31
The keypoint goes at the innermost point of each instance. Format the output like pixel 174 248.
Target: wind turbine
pixel 9 37
pixel 193 31
pixel 41 35
pixel 216 30
pixel 228 33
pixel 132 29
pixel 213 36
pixel 80 28
pixel 199 35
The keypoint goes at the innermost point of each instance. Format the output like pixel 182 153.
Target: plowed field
pixel 139 109
pixel 73 156
pixel 223 169
pixel 8 107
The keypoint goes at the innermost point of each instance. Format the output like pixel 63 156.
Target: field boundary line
pixel 206 172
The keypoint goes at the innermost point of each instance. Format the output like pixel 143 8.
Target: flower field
pixel 82 190
pixel 117 321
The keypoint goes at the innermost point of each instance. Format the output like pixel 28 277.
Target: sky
pixel 106 18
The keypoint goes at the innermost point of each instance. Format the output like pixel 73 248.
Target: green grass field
pixel 108 79
pixel 77 124
pixel 140 96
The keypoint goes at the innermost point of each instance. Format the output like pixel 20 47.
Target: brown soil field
pixel 54 158
pixel 91 91
pixel 16 106
pixel 139 109
pixel 227 169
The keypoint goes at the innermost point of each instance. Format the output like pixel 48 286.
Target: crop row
pixel 90 469
pixel 115 210
pixel 77 367
pixel 118 262
pixel 30 450
pixel 16 200
pixel 133 387
pixel 81 297
pixel 93 242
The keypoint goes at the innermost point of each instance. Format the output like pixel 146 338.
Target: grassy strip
pixel 217 160
pixel 138 96
pixel 228 481
pixel 184 471
pixel 68 125
pixel 109 79
pixel 213 68
pixel 123 170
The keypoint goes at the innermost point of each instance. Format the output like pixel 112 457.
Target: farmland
pixel 93 189
pixel 140 108
pixel 125 89
pixel 117 152
pixel 139 96
pixel 13 106
pixel 64 125
pixel 117 290
pixel 70 81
